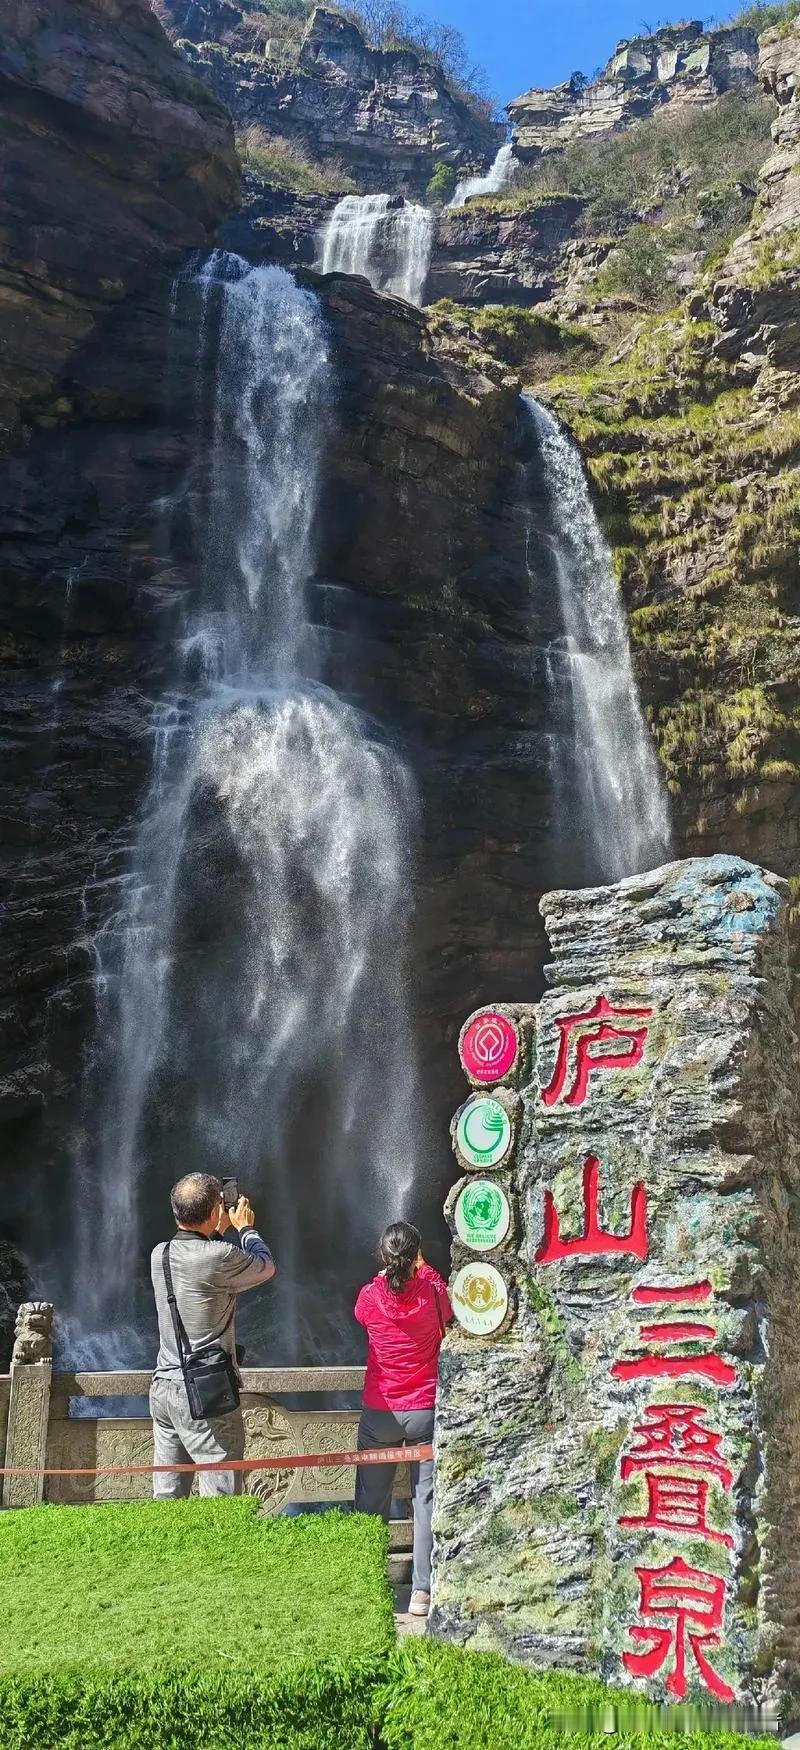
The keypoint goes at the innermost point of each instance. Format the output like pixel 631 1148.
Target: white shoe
pixel 420 1604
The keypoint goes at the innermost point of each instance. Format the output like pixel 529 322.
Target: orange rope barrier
pixel 294 1461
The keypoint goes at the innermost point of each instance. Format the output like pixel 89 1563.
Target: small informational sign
pixel 489 1046
pixel 483 1133
pixel 480 1298
pixel 482 1215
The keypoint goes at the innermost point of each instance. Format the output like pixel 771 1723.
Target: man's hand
pixel 242 1215
pixel 223 1220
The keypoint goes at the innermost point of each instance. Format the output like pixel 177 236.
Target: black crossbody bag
pixel 210 1378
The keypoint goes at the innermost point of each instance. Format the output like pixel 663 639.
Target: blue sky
pixel 540 42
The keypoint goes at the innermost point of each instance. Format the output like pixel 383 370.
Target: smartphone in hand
pixel 230 1193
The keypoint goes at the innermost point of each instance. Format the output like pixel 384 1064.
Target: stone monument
pixel 618 1428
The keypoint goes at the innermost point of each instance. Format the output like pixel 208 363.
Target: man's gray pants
pixel 179 1440
pixel 374 1482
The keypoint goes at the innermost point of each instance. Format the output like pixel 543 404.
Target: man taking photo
pixel 214 1256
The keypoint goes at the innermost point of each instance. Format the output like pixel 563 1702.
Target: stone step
pixel 399 1563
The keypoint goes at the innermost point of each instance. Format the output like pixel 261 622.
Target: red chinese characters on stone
pixel 706 1365
pixel 677 1504
pixel 595 1241
pixel 693 1602
pixel 589 1053
pixel 675 1434
pixel 674 1438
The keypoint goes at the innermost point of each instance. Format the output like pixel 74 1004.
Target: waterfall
pixel 383 237
pixel 497 176
pixel 251 987
pixel 623 802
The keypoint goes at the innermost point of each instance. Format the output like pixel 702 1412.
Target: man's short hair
pixel 194 1198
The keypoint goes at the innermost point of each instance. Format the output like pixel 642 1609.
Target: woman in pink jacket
pixel 404 1309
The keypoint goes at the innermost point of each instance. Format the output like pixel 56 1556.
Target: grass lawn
pixel 197 1625
pixel 439 1697
pixel 176 1624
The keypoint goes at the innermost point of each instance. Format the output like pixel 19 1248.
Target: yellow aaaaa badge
pixel 480 1298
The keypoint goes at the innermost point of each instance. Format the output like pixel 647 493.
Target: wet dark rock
pixel 14 1289
pixel 423 604
pixel 118 160
pixel 505 256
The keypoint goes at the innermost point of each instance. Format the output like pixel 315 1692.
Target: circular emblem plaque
pixel 482 1215
pixel 480 1298
pixel 483 1132
pixel 488 1046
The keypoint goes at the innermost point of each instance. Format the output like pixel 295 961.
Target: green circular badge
pixel 480 1298
pixel 483 1132
pixel 482 1215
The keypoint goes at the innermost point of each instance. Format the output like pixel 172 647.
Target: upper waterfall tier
pixel 497 176
pixel 385 238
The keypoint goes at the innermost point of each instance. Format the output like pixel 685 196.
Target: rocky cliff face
pixel 692 437
pixel 118 161
pixel 754 302
pixel 387 116
pixel 680 64
pixel 422 599
pixel 481 256
pixel 421 595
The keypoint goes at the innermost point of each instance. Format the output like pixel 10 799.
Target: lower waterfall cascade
pixel 613 766
pixel 251 987
pixel 251 983
pixel 385 238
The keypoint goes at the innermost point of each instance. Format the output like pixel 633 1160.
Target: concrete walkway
pixel 413 1625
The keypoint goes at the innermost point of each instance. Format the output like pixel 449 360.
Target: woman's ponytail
pixel 399 1249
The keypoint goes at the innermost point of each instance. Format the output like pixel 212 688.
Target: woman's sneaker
pixel 420 1604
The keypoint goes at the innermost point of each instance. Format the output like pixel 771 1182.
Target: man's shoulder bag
pixel 209 1375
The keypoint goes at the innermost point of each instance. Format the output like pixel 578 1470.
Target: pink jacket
pixel 405 1335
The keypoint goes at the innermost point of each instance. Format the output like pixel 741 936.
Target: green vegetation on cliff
pixel 283 164
pixel 527 340
pixel 680 184
pixel 699 489
pixel 765 15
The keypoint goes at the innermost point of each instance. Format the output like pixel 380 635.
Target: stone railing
pixel 45 1426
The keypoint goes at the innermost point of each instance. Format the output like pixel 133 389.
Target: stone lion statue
pixel 33 1333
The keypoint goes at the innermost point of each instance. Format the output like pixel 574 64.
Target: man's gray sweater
pixel 207 1275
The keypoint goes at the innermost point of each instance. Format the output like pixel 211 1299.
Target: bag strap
pixel 185 1350
pixel 181 1338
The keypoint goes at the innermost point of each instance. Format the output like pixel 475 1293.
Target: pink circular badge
pixel 488 1046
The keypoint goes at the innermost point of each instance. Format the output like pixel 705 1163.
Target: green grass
pixel 198 1626
pixel 168 1625
pixel 438 1697
pixel 157 1578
